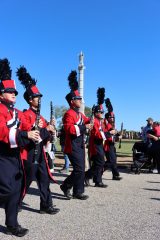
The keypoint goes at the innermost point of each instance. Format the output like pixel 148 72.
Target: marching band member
pixel 36 163
pixel 75 124
pixel 12 138
pixel 96 152
pixel 109 144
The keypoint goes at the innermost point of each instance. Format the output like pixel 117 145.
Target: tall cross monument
pixel 81 68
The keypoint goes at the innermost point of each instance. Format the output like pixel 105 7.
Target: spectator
pixel 154 150
pixel 146 129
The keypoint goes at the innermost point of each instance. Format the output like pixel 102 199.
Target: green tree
pixel 88 111
pixel 59 111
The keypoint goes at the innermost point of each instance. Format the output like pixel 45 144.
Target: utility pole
pixel 81 68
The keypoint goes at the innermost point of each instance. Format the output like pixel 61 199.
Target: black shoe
pixel 86 181
pixel 49 210
pixel 80 196
pixel 101 185
pixel 67 193
pixel 17 231
pixel 117 178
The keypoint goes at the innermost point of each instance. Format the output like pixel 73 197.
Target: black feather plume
pixel 108 105
pixel 24 77
pixel 5 71
pixel 73 83
pixel 100 95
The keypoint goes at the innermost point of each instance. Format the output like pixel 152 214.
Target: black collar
pixel 75 109
pixel 33 110
pixel 9 105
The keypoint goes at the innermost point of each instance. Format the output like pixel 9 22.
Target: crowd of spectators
pixel 151 138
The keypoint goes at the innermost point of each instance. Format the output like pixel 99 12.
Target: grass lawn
pixel 126 148
pixel 124 151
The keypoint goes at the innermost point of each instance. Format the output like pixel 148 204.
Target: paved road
pixel 129 209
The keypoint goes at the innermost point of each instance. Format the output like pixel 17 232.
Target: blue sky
pixel 120 40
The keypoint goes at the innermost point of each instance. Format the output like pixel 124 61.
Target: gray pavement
pixel 129 209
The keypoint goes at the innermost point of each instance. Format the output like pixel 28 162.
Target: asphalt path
pixel 126 209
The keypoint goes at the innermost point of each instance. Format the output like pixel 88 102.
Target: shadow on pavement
pixel 35 192
pixel 152 189
pixel 59 196
pixel 58 174
pixel 158 199
pixel 122 155
pixel 30 209
pixel 152 182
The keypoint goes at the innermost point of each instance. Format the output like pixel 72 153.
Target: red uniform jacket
pixel 97 137
pixel 73 122
pixel 109 140
pixel 30 117
pixel 15 121
pixel 12 138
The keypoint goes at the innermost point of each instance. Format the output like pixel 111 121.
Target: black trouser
pixel 154 151
pixel 112 160
pixel 96 169
pixel 11 205
pixel 11 178
pixel 28 173
pixel 76 178
pixel 98 162
pixel 40 174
